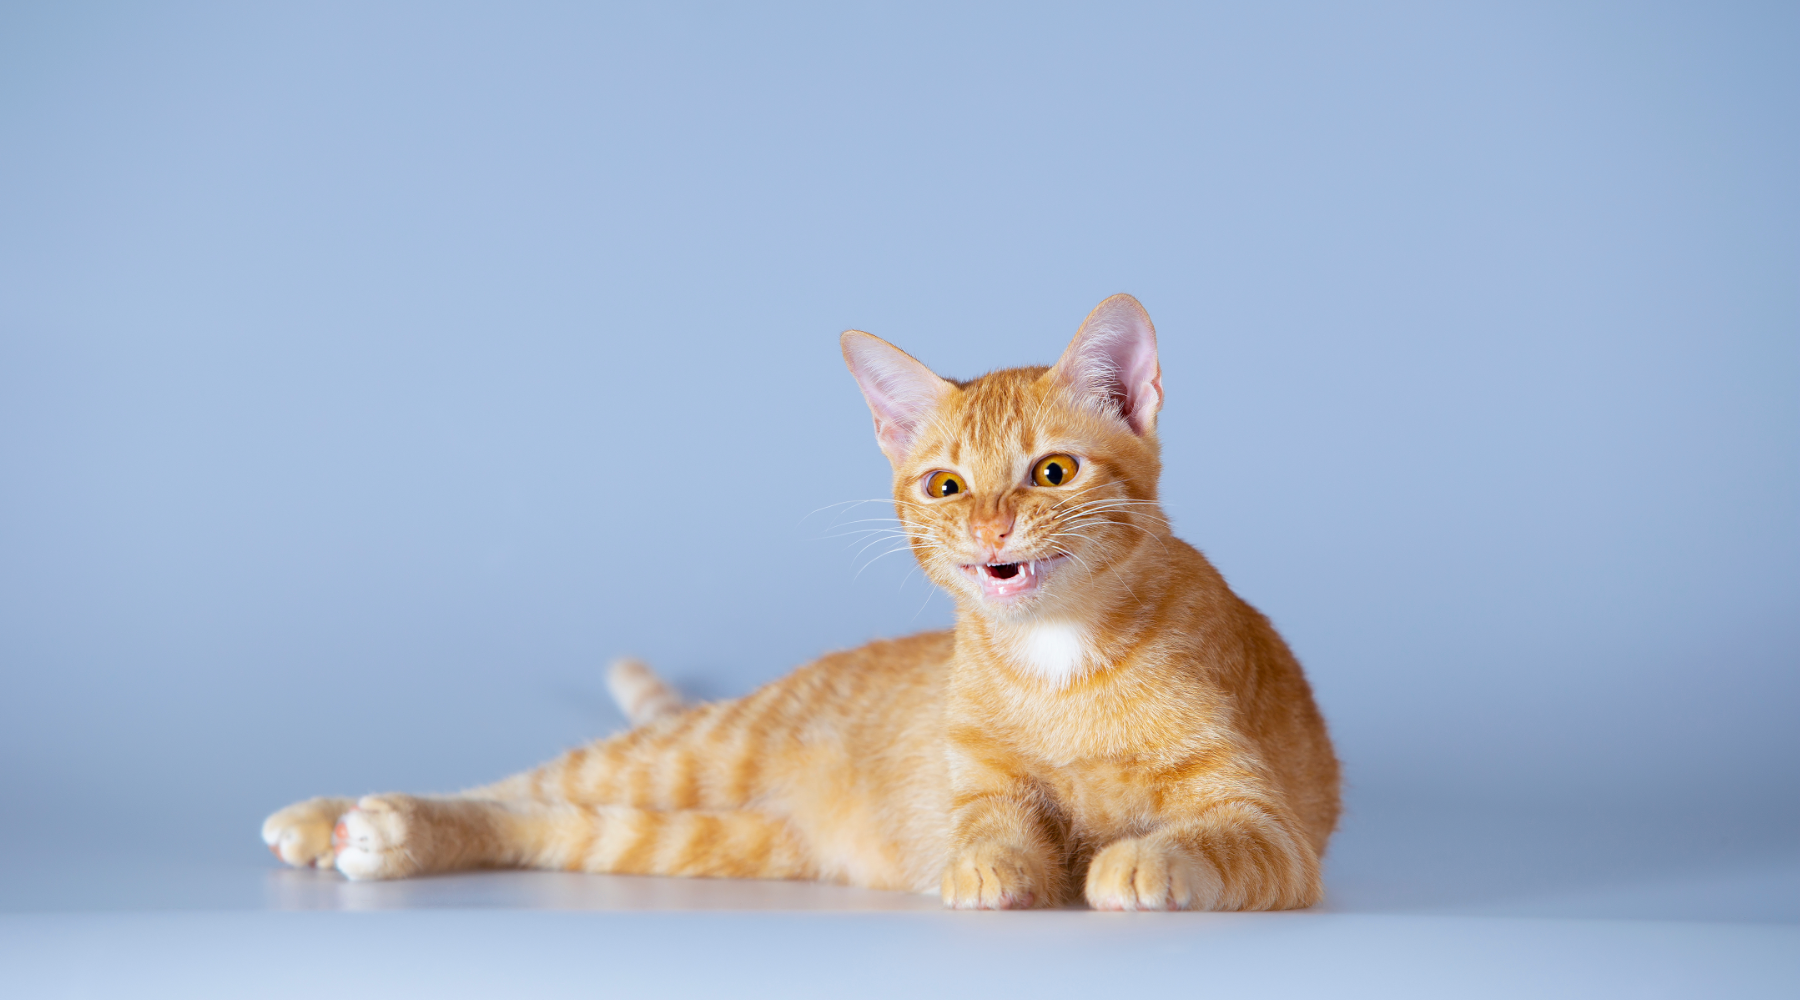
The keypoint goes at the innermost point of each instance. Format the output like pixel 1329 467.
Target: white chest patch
pixel 1057 651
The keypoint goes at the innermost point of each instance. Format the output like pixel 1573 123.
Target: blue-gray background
pixel 371 373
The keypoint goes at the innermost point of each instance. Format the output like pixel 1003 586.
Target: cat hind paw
pixel 300 834
pixel 371 840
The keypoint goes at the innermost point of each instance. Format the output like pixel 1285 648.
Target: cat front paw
pixel 377 838
pixel 1140 873
pixel 995 877
pixel 300 834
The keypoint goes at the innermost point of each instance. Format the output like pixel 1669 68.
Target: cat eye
pixel 1054 470
pixel 944 484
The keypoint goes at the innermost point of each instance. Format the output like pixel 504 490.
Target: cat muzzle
pixel 1003 581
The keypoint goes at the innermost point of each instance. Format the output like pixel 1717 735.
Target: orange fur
pixel 1108 720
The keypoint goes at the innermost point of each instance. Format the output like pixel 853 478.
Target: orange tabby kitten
pixel 1107 717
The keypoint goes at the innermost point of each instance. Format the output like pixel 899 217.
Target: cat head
pixel 1025 491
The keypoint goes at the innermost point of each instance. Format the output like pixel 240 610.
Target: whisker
pixel 1065 550
pixel 848 530
pixel 1072 555
pixel 1108 520
pixel 878 541
pixel 1082 493
pixel 865 566
pixel 911 540
pixel 1100 507
pixel 852 503
pixel 1126 499
pixel 866 520
pixel 1113 502
pixel 858 533
pixel 929 591
pixel 1094 521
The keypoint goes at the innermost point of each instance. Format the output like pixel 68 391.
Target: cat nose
pixel 991 534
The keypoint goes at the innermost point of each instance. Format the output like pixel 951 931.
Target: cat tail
pixel 642 696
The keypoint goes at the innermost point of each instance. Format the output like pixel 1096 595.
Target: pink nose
pixel 991 535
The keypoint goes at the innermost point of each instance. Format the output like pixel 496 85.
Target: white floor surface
pixel 1422 904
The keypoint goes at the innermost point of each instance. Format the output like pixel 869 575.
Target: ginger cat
pixel 1107 719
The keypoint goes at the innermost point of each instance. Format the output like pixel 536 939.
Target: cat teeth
pixel 1009 570
pixel 1004 581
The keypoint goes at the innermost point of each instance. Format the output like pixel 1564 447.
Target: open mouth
pixel 1000 581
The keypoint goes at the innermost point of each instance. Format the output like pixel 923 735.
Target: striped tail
pixel 642 696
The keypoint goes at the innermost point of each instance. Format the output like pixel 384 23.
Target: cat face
pixel 1017 497
pixel 1027 489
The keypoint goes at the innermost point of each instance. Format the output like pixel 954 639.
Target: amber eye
pixel 944 484
pixel 1053 470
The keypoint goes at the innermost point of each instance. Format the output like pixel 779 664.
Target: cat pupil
pixel 1054 473
pixel 949 486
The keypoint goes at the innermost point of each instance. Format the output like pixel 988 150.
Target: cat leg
pixel 1003 872
pixel 395 836
pixel 1230 855
pixel 703 843
pixel 383 836
pixel 722 755
pixel 708 760
pixel 1004 854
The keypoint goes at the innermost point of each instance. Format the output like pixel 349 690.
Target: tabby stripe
pixel 586 833
pixel 680 784
pixel 639 854
pixel 571 768
pixel 600 785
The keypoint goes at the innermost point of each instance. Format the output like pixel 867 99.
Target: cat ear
pixel 1112 363
pixel 901 392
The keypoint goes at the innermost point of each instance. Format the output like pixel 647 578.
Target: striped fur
pixel 1124 730
pixel 642 696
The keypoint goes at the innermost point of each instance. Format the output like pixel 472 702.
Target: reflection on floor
pixel 310 890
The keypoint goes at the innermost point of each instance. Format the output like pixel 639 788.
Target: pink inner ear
pixel 900 391
pixel 1139 374
pixel 1113 361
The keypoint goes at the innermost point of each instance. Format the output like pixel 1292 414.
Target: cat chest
pixel 1105 801
pixel 1100 732
pixel 1117 774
